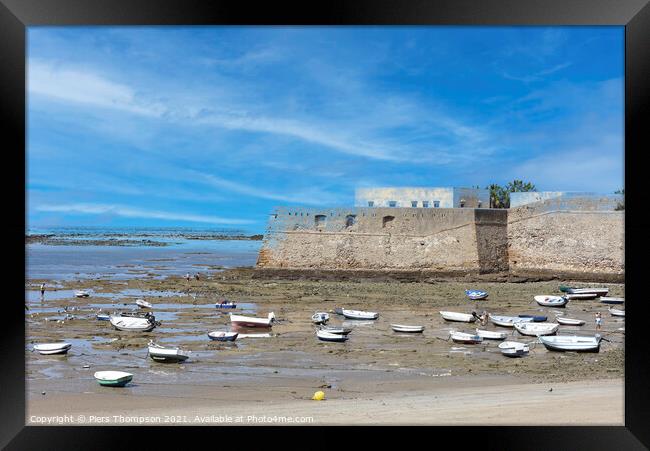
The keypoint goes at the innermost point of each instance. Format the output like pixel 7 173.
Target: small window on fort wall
pixel 414 203
pixel 436 204
pixel 392 203
pixel 462 203
pixel 386 221
pixel 349 220
pixel 425 203
pixel 371 203
pixel 319 220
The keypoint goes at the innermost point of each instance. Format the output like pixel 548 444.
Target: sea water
pixel 181 254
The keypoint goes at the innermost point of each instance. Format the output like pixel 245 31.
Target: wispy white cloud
pixel 310 196
pixel 85 87
pixel 130 212
pixel 537 76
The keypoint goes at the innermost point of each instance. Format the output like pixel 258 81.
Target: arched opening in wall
pixel 387 221
pixel 350 220
pixel 319 220
pixel 462 203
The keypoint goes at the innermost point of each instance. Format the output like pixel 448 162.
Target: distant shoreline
pixel 117 240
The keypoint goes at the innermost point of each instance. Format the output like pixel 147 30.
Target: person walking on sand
pixel 196 276
pixel 599 320
pixel 187 276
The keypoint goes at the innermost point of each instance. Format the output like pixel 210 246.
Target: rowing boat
pixel 514 349
pixel 536 329
pixel 508 321
pixel 571 343
pixel 551 301
pixel 491 334
pixel 465 338
pixel 358 314
pixel 113 378
pixel 460 317
pixel 407 329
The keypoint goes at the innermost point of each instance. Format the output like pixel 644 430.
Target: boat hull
pixel 570 344
pixel 224 337
pixel 355 314
pixel 168 358
pixel 407 329
pixel 458 317
pixel 606 300
pixel 121 382
pixel 51 350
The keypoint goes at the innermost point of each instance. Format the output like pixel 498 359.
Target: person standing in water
pixel 42 290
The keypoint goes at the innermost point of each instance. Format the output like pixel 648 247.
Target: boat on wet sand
pixel 551 301
pixel 143 304
pixel 610 300
pixel 536 329
pixel 327 336
pixel 225 304
pixel 460 317
pixel 407 329
pixel 81 293
pixel 584 296
pixel 514 349
pixel 132 323
pixel 569 321
pixel 595 291
pixel 320 318
pixel 113 378
pixel 166 355
pixel 218 335
pixel 476 295
pixel 336 330
pixel 508 321
pixel 358 314
pixel 52 348
pixel 491 334
pixel 616 312
pixel 103 317
pixel 465 338
pixel 250 321
pixel 536 318
pixel 571 343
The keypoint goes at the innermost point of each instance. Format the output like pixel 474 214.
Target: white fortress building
pixel 447 197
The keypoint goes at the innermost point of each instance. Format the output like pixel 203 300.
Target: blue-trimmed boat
pixel 225 304
pixel 476 295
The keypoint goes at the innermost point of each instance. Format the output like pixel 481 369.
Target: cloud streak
pixel 131 212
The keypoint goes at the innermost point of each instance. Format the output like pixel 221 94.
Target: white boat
pixel 551 301
pixel 569 321
pixel 596 291
pixel 491 334
pixel 536 329
pixel 320 318
pixel 616 312
pixel 336 330
pixel 52 348
pixel 218 335
pixel 143 304
pixel 462 337
pixel 407 329
pixel 571 343
pixel 460 317
pixel 266 335
pixel 476 295
pixel 103 317
pixel 514 348
pixel 113 378
pixel 168 355
pixel 571 296
pixel 327 336
pixel 509 321
pixel 250 321
pixel 358 314
pixel 610 300
pixel 81 293
pixel 132 323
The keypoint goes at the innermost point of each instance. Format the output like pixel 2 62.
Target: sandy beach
pixel 454 401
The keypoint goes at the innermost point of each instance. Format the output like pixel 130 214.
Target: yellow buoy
pixel 318 396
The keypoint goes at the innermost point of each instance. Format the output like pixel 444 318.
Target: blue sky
pixel 214 126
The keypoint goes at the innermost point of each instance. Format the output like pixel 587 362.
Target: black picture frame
pixel 16 15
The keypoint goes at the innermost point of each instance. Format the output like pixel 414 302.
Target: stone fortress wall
pixel 559 236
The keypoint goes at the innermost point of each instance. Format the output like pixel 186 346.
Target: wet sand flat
pixel 374 369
